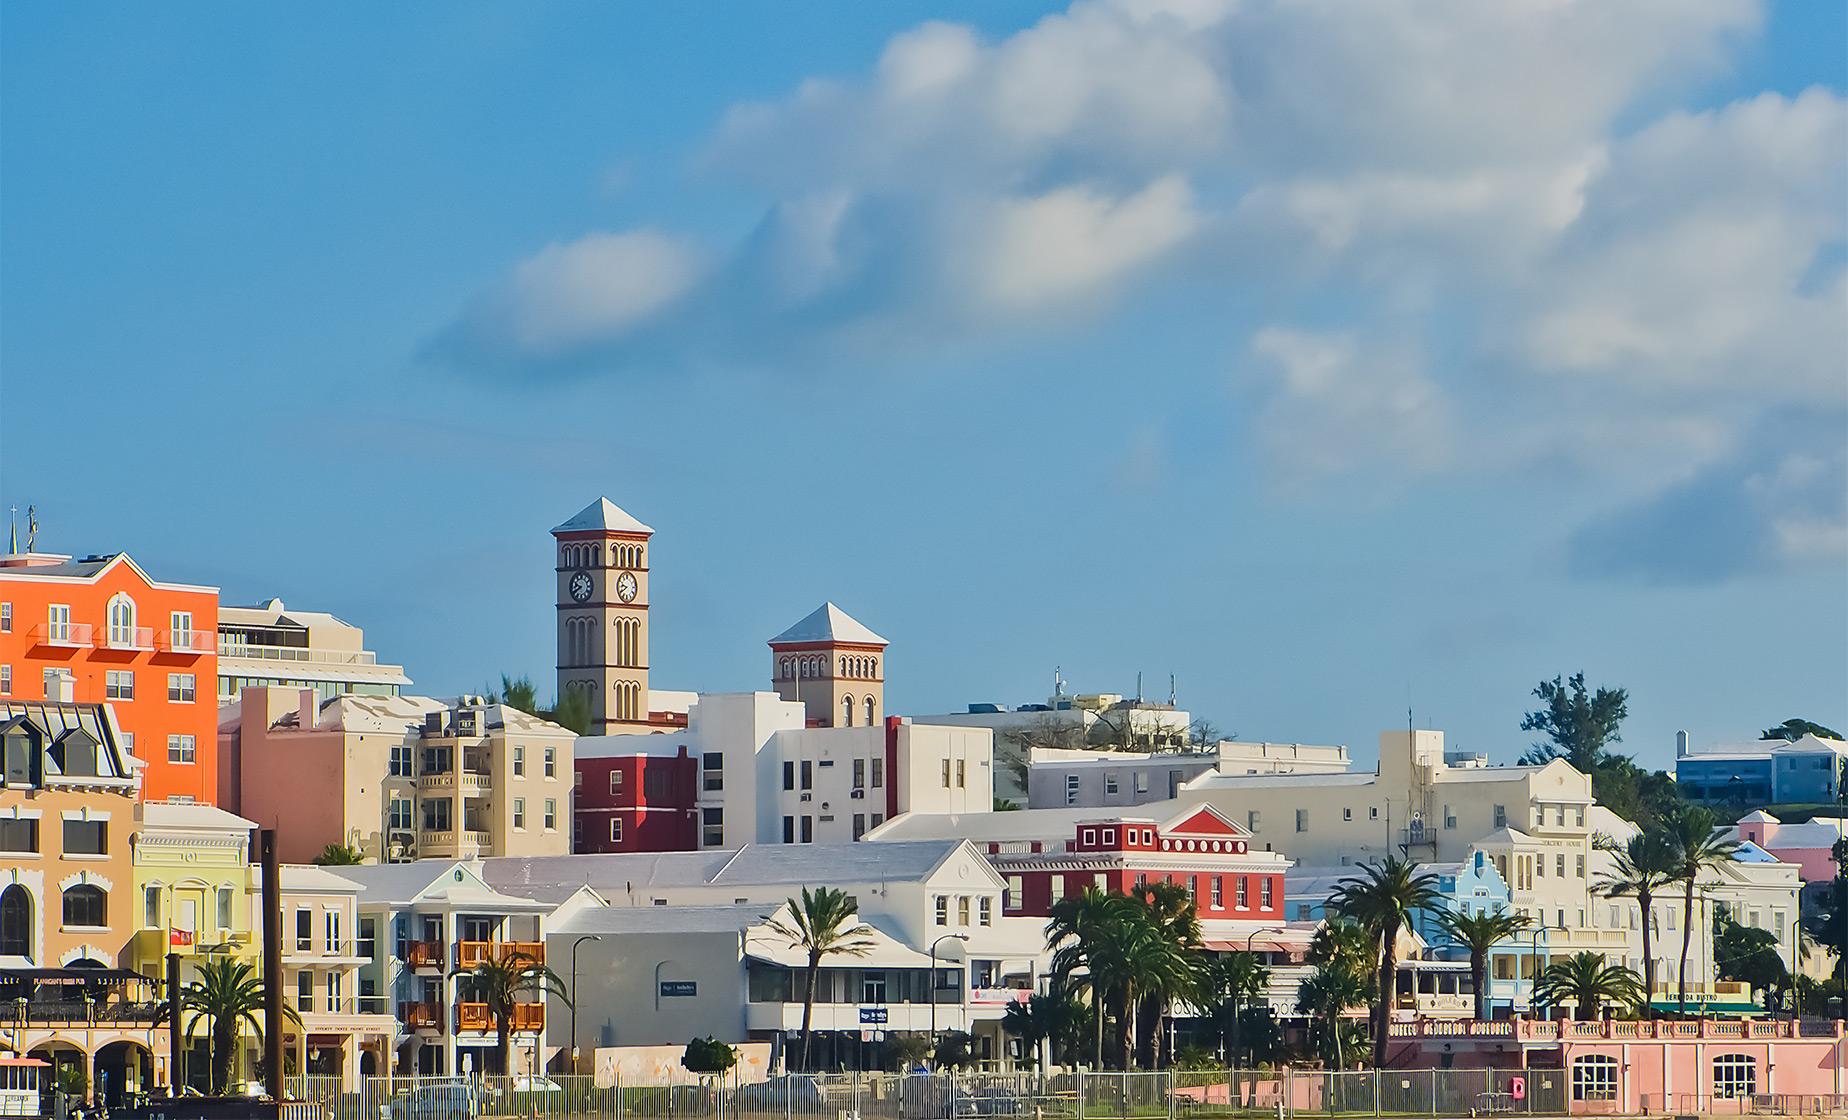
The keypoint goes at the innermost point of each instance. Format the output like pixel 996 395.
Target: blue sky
pixel 1330 358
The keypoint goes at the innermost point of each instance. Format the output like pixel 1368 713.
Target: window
pixel 878 819
pixel 519 762
pixel 1142 781
pixel 551 762
pixel 808 830
pixel 401 760
pixel 304 931
pixel 227 902
pixel 1734 1075
pixel 1581 867
pixel 946 778
pixel 6 618
pixel 870 711
pixel 1302 820
pixel 961 767
pixel 878 772
pixel 86 905
pixel 1347 814
pixel 1559 865
pixel 1071 786
pixel 551 815
pixel 1110 785
pixel 846 711
pixel 179 630
pixel 150 908
pixel 1373 812
pixel 58 622
pixel 1450 818
pixel 86 838
pixel 333 991
pixel 808 774
pixel 122 622
pixel 6 680
pixel 368 938
pixel 1501 816
pixel 19 834
pixel 712 767
pixel 985 910
pixel 180 688
pixel 330 929
pixel 615 782
pixel 872 987
pixel 304 991
pixel 1264 894
pixel 789 830
pixel 1251 820
pixel 962 910
pixel 1219 893
pixel 712 828
pixel 859 773
pixel 119 684
pixel 436 814
pixel 1594 1078
pixel 1011 900
pixel 859 825
pixel 943 909
pixel 519 812
pixel 1243 893
pixel 180 748
pixel 615 830
pixel 398 817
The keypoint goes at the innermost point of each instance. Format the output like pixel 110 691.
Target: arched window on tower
pixel 871 713
pixel 846 711
pixel 121 621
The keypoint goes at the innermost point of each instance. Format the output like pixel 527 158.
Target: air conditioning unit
pixel 858 795
pixel 808 797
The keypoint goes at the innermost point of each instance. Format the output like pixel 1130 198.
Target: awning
pixel 1267 944
pixel 69 975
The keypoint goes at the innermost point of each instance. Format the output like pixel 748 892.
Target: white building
pixel 1063 777
pixel 1067 722
pixel 271 645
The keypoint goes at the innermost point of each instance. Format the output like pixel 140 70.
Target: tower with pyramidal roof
pixel 833 666
pixel 603 615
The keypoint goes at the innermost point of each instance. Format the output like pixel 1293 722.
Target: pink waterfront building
pixel 1627 1067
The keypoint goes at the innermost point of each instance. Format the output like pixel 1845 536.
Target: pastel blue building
pixel 1767 772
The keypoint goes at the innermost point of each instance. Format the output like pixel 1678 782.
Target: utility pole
pixel 272 964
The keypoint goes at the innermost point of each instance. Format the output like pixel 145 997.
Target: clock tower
pixel 602 566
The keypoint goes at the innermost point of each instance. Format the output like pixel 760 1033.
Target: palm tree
pixel 1343 941
pixel 340 855
pixel 1698 845
pixel 499 982
pixel 1588 981
pixel 823 923
pixel 1077 931
pixel 1227 982
pixel 1170 968
pixel 1643 866
pixel 1325 995
pixel 1383 898
pixel 1054 1018
pixel 1480 933
pixel 227 994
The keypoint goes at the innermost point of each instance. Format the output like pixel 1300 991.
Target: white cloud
pixel 1075 242
pixel 585 292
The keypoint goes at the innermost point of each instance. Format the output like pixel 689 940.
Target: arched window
pixel 871 713
pixel 121 621
pixel 1735 1075
pixel 846 711
pixel 86 905
pixel 1594 1078
pixel 16 922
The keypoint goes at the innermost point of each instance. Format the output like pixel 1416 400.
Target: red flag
pixel 180 937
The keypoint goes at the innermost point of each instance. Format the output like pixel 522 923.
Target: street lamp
pixel 574 992
pixel 963 937
pixel 1249 939
pixel 1537 934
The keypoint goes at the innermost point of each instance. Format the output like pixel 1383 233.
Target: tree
pixel 1383 898
pixel 822 923
pixel 1578 726
pixel 1203 734
pixel 953 1051
pixel 905 1051
pixel 1326 995
pixel 1170 969
pixel 708 1057
pixel 1228 982
pixel 1340 940
pixel 572 712
pixel 1698 847
pixel 1003 805
pixel 1587 981
pixel 1054 1019
pixel 1480 933
pixel 227 995
pixel 1078 932
pixel 517 692
pixel 340 855
pixel 1749 956
pixel 1794 729
pixel 1645 865
pixel 498 982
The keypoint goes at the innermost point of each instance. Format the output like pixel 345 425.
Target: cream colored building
pixel 346 1031
pixel 398 777
pixel 269 645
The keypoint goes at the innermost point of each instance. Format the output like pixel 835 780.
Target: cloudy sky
pixel 1330 358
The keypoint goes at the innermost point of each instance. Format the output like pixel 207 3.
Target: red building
pixel 100 631
pixel 639 800
pixel 1199 849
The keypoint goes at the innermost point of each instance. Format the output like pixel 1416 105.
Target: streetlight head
pixel 962 937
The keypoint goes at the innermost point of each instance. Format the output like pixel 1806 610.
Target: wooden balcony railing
pixel 527 1018
pixel 417 1016
pixel 424 954
pixel 469 954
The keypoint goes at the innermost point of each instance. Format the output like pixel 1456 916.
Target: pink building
pixel 1811 846
pixel 1626 1067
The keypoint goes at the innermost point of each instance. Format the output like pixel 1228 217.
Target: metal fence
pixel 1166 1095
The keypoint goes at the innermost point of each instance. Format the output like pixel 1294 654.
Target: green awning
pixel 1716 1007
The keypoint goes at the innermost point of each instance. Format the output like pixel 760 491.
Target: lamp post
pixel 574 993
pixel 1249 939
pixel 1537 935
pixel 963 937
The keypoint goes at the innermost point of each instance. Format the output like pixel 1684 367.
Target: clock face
pixel 581 586
pixel 626 587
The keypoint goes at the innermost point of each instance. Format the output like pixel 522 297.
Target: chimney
pixel 305 709
pixel 1681 744
pixel 61 686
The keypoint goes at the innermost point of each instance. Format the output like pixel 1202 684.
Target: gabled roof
pixel 602 514
pixel 829 623
pixel 1759 816
pixel 1201 820
pixel 666 919
pixel 430 880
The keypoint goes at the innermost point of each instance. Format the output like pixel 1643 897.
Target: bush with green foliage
pixel 709 1057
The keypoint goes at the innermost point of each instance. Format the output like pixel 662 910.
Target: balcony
pixel 468 782
pixel 188 641
pixel 472 953
pixel 298 653
pixel 129 638
pixel 441 842
pixel 527 1018
pixel 64 635
pixel 421 1016
pixel 424 954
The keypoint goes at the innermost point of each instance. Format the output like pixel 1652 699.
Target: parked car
pixel 442 1101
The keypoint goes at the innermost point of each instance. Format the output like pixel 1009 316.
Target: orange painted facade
pixel 147 649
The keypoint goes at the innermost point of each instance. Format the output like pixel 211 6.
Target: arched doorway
pixel 70 1068
pixel 124 1070
pixel 16 922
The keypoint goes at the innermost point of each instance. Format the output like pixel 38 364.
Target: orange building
pixel 98 630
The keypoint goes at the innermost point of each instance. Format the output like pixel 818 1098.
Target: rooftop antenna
pixel 12 530
pixel 1058 682
pixel 1170 690
pixel 1138 686
pixel 31 528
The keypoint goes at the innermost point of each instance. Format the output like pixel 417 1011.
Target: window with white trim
pixel 6 618
pixel 519 812
pixel 1594 1078
pixel 58 622
pixel 181 749
pixel 1071 785
pixel 1735 1075
pixel 1011 900
pixel 615 782
pixel 551 815
pixel 119 684
pixel 181 688
pixel 6 680
pixel 615 830
pixel 121 621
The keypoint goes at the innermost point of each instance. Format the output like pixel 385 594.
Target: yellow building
pixel 195 895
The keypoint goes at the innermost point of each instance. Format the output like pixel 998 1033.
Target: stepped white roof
pixel 829 623
pixel 602 514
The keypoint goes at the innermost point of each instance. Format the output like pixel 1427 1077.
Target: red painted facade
pixel 636 803
pixel 1202 851
pixel 153 660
